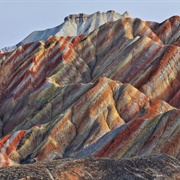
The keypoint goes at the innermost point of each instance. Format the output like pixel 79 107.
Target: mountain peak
pixel 73 25
pixel 81 17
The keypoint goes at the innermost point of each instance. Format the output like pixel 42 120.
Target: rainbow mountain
pixel 100 88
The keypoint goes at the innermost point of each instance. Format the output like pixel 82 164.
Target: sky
pixel 18 18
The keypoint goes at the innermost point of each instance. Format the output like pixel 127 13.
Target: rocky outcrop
pixel 109 93
pixel 152 167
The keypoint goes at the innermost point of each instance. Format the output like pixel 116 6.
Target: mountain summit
pixel 98 86
pixel 74 25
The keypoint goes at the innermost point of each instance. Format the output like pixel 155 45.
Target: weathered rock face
pixel 111 93
pixel 152 167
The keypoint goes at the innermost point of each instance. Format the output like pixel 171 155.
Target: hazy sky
pixel 18 18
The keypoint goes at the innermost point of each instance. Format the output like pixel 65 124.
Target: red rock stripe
pixel 120 139
pixel 3 140
pixel 14 142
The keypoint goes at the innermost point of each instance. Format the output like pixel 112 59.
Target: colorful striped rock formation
pixel 107 87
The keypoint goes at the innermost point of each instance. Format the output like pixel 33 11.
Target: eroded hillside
pixel 111 92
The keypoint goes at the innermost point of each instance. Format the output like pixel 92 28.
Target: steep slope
pixel 152 167
pixel 75 116
pixel 130 51
pixel 113 92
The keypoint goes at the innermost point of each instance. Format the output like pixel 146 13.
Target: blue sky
pixel 18 18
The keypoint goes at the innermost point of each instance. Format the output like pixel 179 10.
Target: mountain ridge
pixel 74 25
